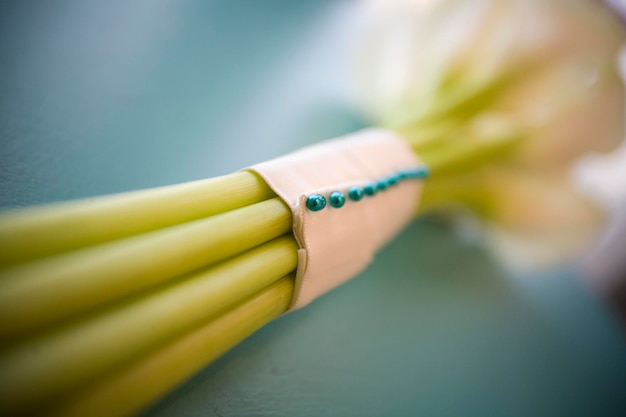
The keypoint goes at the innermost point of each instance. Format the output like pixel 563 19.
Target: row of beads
pixel 337 199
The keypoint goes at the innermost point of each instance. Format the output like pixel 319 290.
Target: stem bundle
pixel 106 304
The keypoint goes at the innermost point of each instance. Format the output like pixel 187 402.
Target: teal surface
pixel 432 328
pixel 103 97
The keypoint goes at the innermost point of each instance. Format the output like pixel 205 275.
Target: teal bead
pixel 337 199
pixel 355 193
pixel 411 173
pixel 393 179
pixel 382 184
pixel 417 173
pixel 369 189
pixel 315 202
pixel 422 172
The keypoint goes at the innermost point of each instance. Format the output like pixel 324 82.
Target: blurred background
pixel 104 97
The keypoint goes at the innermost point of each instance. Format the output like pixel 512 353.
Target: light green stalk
pixel 38 232
pixel 38 371
pixel 43 292
pixel 128 390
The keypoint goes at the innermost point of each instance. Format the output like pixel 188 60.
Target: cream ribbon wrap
pixel 338 243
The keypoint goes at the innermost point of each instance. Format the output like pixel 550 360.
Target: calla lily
pixel 536 220
pixel 538 77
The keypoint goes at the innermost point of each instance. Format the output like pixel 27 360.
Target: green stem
pixel 39 371
pixel 131 388
pixel 33 233
pixel 50 290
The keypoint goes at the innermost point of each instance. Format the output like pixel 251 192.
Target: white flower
pixel 455 74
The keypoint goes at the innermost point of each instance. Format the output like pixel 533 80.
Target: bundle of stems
pixel 108 303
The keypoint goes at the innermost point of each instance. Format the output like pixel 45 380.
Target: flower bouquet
pixel 108 303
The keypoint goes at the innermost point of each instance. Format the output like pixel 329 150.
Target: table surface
pixel 103 97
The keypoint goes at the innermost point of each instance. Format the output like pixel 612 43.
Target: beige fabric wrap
pixel 338 243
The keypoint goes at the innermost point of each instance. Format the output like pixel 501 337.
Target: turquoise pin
pixel 337 199
pixel 315 202
pixel 355 193
pixel 369 189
